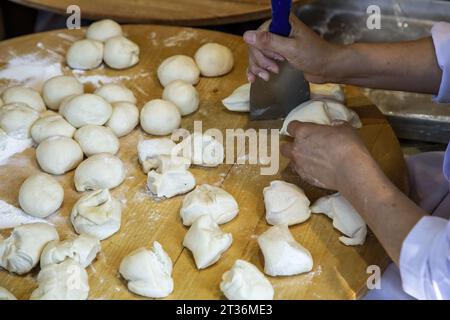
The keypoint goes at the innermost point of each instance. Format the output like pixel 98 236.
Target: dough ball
pixel 160 117
pixel 6 295
pixel 97 214
pixel 245 282
pixel 170 183
pixel 203 150
pixel 86 109
pixel 16 120
pixel 283 256
pixel 56 282
pixel 124 118
pixel 101 171
pixel 239 100
pixel 97 139
pixel 183 95
pixel 214 60
pixel 21 251
pixel 24 95
pixel 178 67
pixel 40 195
pixel 103 30
pixel 149 150
pixel 57 88
pixel 115 92
pixel 148 272
pixel 121 53
pixel 51 126
pixel 85 54
pixel 57 155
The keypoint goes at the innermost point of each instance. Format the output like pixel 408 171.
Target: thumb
pixel 267 41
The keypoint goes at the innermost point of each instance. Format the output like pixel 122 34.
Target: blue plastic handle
pixel 280 17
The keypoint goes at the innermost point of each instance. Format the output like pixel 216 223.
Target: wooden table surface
pixel 339 271
pixel 174 12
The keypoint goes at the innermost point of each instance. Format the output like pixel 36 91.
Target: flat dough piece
pixel 239 100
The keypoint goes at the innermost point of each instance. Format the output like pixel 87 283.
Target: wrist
pixel 339 64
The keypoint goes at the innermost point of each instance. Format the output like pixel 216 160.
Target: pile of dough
pixel 148 272
pixel 211 201
pixel 20 94
pixel 21 251
pixel 40 195
pixel 183 95
pixel 160 117
pixel 6 295
pixel 56 89
pixel 16 119
pixel 51 125
pixel 120 53
pixel 148 150
pixel 245 282
pixel 101 171
pixel 321 112
pixel 283 256
pixel 85 54
pixel 97 139
pixel 285 203
pixel 214 60
pixel 178 67
pixel 116 93
pixel 345 218
pixel 83 249
pixel 203 150
pixel 239 100
pixel 57 155
pixel 67 280
pixel 85 109
pixel 124 118
pixel 206 241
pixel 97 214
pixel 104 29
pixel 328 91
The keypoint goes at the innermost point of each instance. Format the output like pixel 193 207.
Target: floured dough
pixel 82 249
pixel 183 95
pixel 148 272
pixel 170 183
pixel 6 295
pixel 160 117
pixel 57 155
pixel 285 204
pixel 112 92
pixel 56 89
pixel 100 171
pixel 206 241
pixel 329 91
pixel 203 150
pixel 148 150
pixel 21 251
pixel 178 67
pixel 97 139
pixel 20 94
pixel 85 54
pixel 124 118
pixel 16 120
pixel 321 112
pixel 86 109
pixel 283 256
pixel 97 214
pixel 67 280
pixel 165 163
pixel 239 100
pixel 51 126
pixel 214 60
pixel 345 218
pixel 120 53
pixel 104 29
pixel 211 201
pixel 245 282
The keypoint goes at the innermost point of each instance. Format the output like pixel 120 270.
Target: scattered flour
pixel 11 216
pixel 98 79
pixel 10 146
pixel 179 38
pixel 67 37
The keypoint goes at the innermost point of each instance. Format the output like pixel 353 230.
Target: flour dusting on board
pixel 179 38
pixel 11 216
pixel 10 146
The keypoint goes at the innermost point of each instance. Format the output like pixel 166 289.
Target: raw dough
pixel 115 93
pixel 124 118
pixel 6 295
pixel 148 272
pixel 211 201
pixel 101 171
pixel 203 150
pixel 1 102
pixel 170 183
pixel 183 95
pixel 160 117
pixel 51 126
pixel 67 280
pixel 97 214
pixel 321 112
pixel 16 120
pixel 120 53
pixel 56 89
pixel 178 67
pixel 245 282
pixel 283 256
pixel 104 29
pixel 239 100
pixel 21 251
pixel 328 91
pixel 40 195
pixel 86 109
pixel 85 54
pixel 165 163
pixel 285 203
pixel 148 150
pixel 345 218
pixel 214 60
pixel 57 155
pixel 20 94
pixel 97 139
pixel 206 241
pixel 83 249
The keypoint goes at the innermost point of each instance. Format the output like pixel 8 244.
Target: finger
pixel 255 69
pixel 287 150
pixel 302 130
pixel 250 77
pixel 267 41
pixel 263 62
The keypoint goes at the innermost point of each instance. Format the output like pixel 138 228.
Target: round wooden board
pixel 339 272
pixel 174 12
